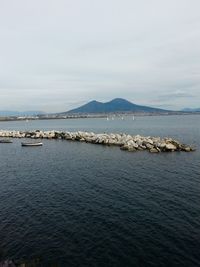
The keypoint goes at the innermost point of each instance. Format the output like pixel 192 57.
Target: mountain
pixel 115 105
pixel 5 113
pixel 191 109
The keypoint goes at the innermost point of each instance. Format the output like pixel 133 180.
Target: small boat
pixel 32 144
pixel 6 141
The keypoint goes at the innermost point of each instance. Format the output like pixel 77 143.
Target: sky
pixel 58 54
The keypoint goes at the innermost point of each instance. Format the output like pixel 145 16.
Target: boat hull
pixel 32 144
pixel 5 141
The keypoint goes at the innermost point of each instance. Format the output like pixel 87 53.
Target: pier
pixel 131 143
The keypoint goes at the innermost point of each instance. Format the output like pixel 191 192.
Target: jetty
pixel 131 143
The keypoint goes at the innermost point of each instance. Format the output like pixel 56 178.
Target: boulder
pixel 170 147
pixel 124 147
pixel 153 150
pixel 187 149
pixel 149 146
pixel 131 143
pixel 132 149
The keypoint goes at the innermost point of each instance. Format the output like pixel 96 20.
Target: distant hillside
pixel 191 110
pixel 20 113
pixel 115 105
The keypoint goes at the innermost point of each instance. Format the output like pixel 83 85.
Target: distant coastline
pixel 90 115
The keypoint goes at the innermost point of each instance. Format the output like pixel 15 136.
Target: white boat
pixel 133 117
pixel 31 143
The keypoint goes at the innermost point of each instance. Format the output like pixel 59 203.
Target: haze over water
pixel 78 204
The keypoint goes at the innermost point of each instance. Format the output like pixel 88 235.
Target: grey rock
pixel 153 150
pixel 170 146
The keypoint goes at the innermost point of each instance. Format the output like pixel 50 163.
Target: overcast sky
pixel 58 54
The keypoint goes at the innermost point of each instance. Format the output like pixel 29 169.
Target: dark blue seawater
pixel 77 204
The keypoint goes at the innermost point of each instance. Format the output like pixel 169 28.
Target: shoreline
pixel 93 116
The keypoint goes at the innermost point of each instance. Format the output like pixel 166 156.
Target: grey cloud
pixel 62 53
pixel 174 95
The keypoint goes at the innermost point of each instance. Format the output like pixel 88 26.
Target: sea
pixel 77 204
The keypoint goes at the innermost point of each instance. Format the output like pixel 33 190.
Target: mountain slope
pixel 115 105
pixel 191 109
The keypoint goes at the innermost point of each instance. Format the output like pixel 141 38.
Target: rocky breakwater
pixel 126 142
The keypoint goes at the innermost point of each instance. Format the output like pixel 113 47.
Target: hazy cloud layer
pixel 57 54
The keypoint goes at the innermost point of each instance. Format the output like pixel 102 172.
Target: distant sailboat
pixel 107 118
pixel 133 117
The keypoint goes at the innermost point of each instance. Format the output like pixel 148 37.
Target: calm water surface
pixel 77 204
